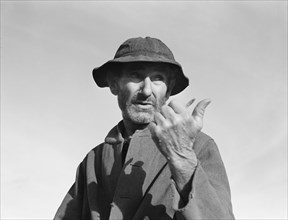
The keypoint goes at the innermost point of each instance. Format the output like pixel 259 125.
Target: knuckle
pixel 177 121
pixel 158 130
pixel 173 102
pixel 160 133
pixel 163 108
pixel 167 125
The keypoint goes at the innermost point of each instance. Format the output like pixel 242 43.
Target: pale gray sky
pixel 52 112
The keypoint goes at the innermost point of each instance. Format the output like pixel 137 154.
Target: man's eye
pixel 158 78
pixel 134 75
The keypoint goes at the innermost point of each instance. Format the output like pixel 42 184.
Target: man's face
pixel 142 89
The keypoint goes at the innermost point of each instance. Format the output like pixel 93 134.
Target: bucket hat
pixel 143 50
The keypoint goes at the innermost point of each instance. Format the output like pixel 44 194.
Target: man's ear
pixel 113 86
pixel 114 89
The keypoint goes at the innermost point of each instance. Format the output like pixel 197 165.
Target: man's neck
pixel 130 128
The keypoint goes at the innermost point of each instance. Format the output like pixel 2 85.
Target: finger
pixel 168 112
pixel 155 131
pixel 189 103
pixel 152 127
pixel 159 119
pixel 177 107
pixel 200 108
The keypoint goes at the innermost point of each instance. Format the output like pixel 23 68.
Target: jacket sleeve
pixel 74 201
pixel 210 195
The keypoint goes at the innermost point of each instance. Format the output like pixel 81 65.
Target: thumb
pixel 199 110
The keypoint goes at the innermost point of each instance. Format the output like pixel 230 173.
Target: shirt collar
pixel 115 136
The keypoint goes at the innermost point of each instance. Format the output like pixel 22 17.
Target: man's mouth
pixel 144 105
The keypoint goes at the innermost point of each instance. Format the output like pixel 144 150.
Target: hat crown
pixel 140 49
pixel 147 46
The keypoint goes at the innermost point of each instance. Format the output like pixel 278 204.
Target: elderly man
pixel 156 163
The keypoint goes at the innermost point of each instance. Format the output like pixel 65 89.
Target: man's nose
pixel 146 87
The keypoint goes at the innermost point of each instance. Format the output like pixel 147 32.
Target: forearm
pixel 204 200
pixel 183 180
pixel 209 197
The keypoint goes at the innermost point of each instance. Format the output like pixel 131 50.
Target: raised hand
pixel 173 131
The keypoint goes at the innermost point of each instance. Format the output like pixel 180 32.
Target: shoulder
pixel 204 144
pixel 93 155
pixel 202 138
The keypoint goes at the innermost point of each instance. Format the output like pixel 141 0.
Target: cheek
pixel 131 89
pixel 161 91
pixel 127 91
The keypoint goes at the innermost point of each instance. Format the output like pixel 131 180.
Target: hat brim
pixel 181 81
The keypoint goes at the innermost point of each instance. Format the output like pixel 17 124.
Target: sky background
pixel 52 112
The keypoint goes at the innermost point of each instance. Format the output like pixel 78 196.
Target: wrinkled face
pixel 142 89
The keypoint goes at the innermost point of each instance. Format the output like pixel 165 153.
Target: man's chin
pixel 142 121
pixel 142 118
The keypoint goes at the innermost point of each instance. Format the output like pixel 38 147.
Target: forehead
pixel 138 66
